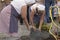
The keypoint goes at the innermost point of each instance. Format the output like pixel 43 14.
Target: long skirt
pixel 8 20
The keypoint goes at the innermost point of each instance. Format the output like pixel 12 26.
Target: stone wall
pixel 0 5
pixel 4 3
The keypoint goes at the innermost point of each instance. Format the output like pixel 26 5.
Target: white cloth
pixel 58 3
pixel 29 1
pixel 17 4
pixel 39 6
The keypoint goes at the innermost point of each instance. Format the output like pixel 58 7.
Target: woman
pixel 9 16
pixel 37 15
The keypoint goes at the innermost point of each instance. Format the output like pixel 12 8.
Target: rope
pixel 53 21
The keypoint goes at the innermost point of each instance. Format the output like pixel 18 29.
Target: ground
pixel 22 31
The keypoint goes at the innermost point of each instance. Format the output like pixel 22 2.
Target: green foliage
pixel 45 27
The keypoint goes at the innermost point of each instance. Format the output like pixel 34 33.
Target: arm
pixel 41 20
pixel 31 18
pixel 24 16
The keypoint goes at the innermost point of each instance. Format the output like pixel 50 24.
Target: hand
pixel 34 28
pixel 28 28
pixel 39 29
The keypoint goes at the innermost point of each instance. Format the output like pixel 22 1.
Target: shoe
pixel 54 18
pixel 49 20
pixel 15 35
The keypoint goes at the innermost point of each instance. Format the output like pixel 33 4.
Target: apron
pixel 13 20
